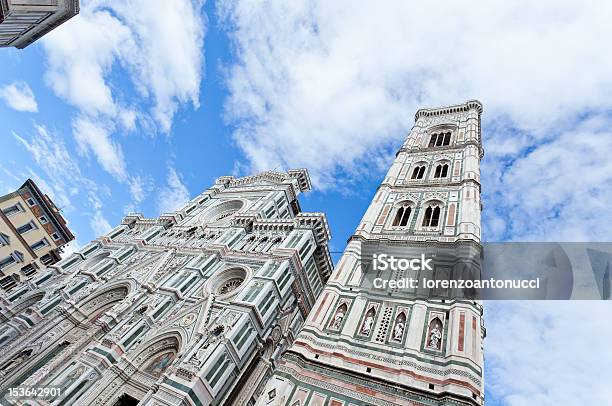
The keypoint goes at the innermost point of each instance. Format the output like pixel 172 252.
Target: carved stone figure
pixel 435 335
pixel 367 325
pixel 338 318
pixel 398 331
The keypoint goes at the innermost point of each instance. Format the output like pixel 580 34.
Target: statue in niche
pixel 398 331
pixel 368 322
pixel 199 356
pixel 260 244
pixel 367 325
pixel 339 317
pixel 72 377
pixel 17 361
pixel 435 334
pixel 400 325
pixel 8 335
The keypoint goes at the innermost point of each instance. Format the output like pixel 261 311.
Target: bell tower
pixel 363 347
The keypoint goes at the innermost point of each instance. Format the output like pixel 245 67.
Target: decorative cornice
pixel 470 104
pixel 301 175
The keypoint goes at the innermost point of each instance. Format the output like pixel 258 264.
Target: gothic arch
pixel 399 326
pixel 91 262
pixel 403 212
pixel 339 315
pixel 28 300
pixel 149 356
pixel 440 135
pixel 106 297
pixel 418 170
pixel 367 325
pixel 431 213
pixel 441 169
pixel 162 343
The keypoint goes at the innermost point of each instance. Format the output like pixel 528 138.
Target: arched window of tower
pixel 431 217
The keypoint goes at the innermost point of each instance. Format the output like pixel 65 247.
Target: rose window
pixel 227 282
pixel 230 286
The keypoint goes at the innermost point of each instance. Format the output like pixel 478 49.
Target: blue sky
pixel 198 148
pixel 138 105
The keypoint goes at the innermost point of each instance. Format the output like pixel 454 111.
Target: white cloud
pixel 64 175
pixel 140 186
pixel 312 89
pixel 157 43
pixel 70 248
pixel 63 179
pixel 154 45
pixel 99 225
pixel 81 55
pixel 174 195
pixel 19 96
pixel 167 62
pixel 548 353
pixel 558 191
pixel 95 137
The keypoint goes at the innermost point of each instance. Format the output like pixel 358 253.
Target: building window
pixel 18 256
pixel 39 244
pixel 4 239
pixel 6 262
pixel 440 139
pixel 30 202
pixel 46 259
pixel 43 220
pixel 26 227
pixel 9 281
pixel 441 171
pixel 432 216
pixel 402 216
pixel 418 172
pixel 55 236
pixel 16 208
pixel 29 270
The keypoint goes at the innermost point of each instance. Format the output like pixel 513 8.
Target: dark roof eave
pixel 57 219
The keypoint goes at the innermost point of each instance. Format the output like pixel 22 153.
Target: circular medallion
pixel 187 320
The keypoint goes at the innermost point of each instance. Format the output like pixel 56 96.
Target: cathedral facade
pixel 360 346
pixel 192 308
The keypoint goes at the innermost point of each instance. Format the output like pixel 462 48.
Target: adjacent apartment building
pixel 24 21
pixel 32 234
